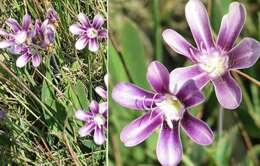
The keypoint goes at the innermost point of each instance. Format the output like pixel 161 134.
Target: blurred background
pixel 37 124
pixel 135 40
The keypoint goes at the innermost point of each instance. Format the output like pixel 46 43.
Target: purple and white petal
pixel 86 129
pixel 82 115
pixel 169 147
pixel 178 43
pixel 76 29
pixel 26 22
pixel 190 95
pixel 20 37
pixel 141 128
pixel 23 60
pixel 181 75
pixel 101 92
pixel 94 107
pixel 196 129
pixel 93 45
pixel 102 33
pixel 36 60
pixel 13 24
pixel 103 107
pixel 83 19
pixel 158 77
pixel 106 80
pixel 245 54
pixel 227 91
pixel 198 20
pixel 99 135
pixel 81 43
pixel 6 43
pixel 231 26
pixel 98 21
pixel 132 96
pixel 3 32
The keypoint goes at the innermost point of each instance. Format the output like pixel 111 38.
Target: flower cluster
pixel 28 39
pixel 174 93
pixel 96 119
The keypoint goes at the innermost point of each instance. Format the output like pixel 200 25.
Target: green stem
pixel 157 30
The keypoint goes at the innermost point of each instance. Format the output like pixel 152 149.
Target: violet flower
pixel 95 120
pixel 88 32
pixel 52 16
pixel 19 33
pixel 42 38
pixel 100 90
pixel 167 107
pixel 213 61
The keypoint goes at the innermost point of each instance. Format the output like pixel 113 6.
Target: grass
pixel 39 127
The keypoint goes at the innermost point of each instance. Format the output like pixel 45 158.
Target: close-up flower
pixel 88 32
pixel 165 107
pixel 214 61
pixel 96 120
pixel 19 34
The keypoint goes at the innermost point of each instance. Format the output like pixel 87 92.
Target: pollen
pixel 99 119
pixel 92 33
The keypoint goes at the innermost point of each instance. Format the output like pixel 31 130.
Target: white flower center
pixel 100 120
pixel 20 37
pixel 92 33
pixel 214 64
pixel 171 108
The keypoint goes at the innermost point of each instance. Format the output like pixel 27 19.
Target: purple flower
pixel 19 33
pixel 167 107
pixel 100 90
pixel 88 32
pixel 213 61
pixel 42 37
pixel 52 16
pixel 95 120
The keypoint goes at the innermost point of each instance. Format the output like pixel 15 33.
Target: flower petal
pixel 103 107
pixel 231 25
pixel 83 19
pixel 87 129
pixel 181 75
pixel 189 94
pixel 98 21
pixel 101 92
pixel 23 60
pixel 141 128
pixel 196 129
pixel 6 43
pixel 36 60
pixel 99 135
pixel 94 107
pixel 245 54
pixel 102 33
pixel 169 147
pixel 106 80
pixel 82 115
pixel 26 22
pixel 131 96
pixel 178 43
pixel 76 29
pixel 198 20
pixel 158 77
pixel 20 37
pixel 227 91
pixel 3 32
pixel 81 43
pixel 13 24
pixel 93 45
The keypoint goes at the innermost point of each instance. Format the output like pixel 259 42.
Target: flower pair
pixel 27 39
pixel 176 92
pixel 96 119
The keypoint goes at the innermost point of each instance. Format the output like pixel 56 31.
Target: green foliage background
pixel 135 40
pixel 39 127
